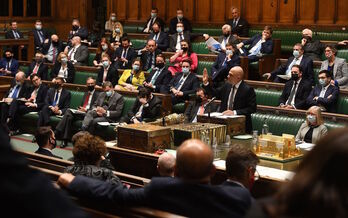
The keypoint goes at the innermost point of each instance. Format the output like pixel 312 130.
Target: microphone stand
pixel 209 108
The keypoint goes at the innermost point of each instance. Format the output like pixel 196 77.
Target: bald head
pixel 235 75
pixel 20 77
pixel 194 161
pixel 166 164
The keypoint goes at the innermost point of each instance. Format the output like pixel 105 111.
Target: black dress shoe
pixel 64 144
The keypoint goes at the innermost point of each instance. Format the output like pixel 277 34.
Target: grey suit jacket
pixel 318 132
pixel 81 55
pixel 113 107
pixel 340 71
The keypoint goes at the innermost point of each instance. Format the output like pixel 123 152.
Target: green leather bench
pixel 91 59
pixel 342 105
pixel 81 77
pixel 200 48
pixel 268 97
pixel 132 29
pixel 208 30
pixel 202 65
pixel 138 43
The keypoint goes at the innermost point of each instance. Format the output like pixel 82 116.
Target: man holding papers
pixel 237 98
pixel 63 129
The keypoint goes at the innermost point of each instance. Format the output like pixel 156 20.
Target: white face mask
pixel 179 29
pixel 104 47
pixel 296 53
pixel 113 18
pixel 38 27
pixel 311 119
pixel 229 52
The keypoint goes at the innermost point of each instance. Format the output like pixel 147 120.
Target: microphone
pixel 209 102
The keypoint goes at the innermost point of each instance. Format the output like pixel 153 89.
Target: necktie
pixel 201 110
pixel 322 92
pixel 224 63
pixel 86 100
pixel 15 92
pixel 124 55
pixel 8 65
pixel 16 35
pixel 35 69
pixel 153 79
pixel 55 99
pixel 40 36
pixel 148 61
pixel 106 100
pixel 71 53
pixel 256 49
pixel 180 83
pixel 53 54
pixel 292 94
pixel 288 71
pixel 231 99
pixel 234 23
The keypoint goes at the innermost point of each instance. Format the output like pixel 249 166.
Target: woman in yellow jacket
pixel 132 79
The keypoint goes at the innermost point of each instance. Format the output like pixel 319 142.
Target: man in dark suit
pixel 148 26
pixel 258 45
pixel 240 26
pixel 313 49
pixel 295 91
pixel 14 33
pixel 38 67
pixel 107 108
pixel 64 127
pixel 181 195
pixel 8 64
pixel 159 36
pixel 57 102
pixel 148 55
pixel 124 55
pixel 237 98
pixel 52 48
pixel 299 59
pixel 199 106
pixel 41 36
pixel 183 84
pixel 108 72
pixel 224 39
pixel 17 90
pixel 179 18
pixel 77 30
pixel 146 107
pixel 34 100
pixel 223 63
pixel 180 35
pixel 324 95
pixel 46 140
pixel 77 53
pixel 159 76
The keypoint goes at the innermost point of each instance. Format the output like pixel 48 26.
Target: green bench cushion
pixel 81 77
pixel 91 58
pixel 138 43
pixel 267 97
pixel 200 47
pixel 207 30
pixel 202 65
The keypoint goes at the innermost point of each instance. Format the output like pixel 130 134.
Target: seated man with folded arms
pixel 56 103
pixel 259 45
pixel 107 108
pixel 188 194
pixel 146 106
pixel 64 127
pixel 283 73
pixel 295 91
pixel 324 94
pixel 166 165
pixel 46 140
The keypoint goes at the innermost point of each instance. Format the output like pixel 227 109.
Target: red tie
pixel 54 55
pixel 86 100
pixel 201 110
pixel 35 69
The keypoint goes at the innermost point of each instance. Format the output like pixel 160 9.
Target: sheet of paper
pixel 104 123
pixel 76 111
pixel 215 45
pixel 305 146
pixel 286 77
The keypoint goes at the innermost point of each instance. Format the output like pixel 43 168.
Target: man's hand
pixel 206 36
pixel 82 109
pixel 136 120
pixel 29 104
pixel 205 76
pixel 65 179
pixel 123 59
pixel 179 93
pixel 173 90
pixel 100 111
pixel 8 100
pixel 315 98
pixel 289 107
pixel 228 113
pixel 267 75
pixel 240 45
pixel 303 41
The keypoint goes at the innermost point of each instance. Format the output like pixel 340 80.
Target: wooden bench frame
pixel 28 42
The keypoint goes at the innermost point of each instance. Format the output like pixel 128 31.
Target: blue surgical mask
pixel 64 60
pixel 117 30
pixel 179 29
pixel 153 15
pixel 185 70
pixel 229 52
pixel 108 93
pixel 322 82
pixel 135 67
pixel 38 27
pixel 105 64
pixel 104 47
pixel 311 119
pixel 296 53
pixel 180 17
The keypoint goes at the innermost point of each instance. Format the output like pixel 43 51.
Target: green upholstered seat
pixel 24 68
pixel 200 48
pixel 132 29
pixel 128 103
pixel 81 77
pixel 76 99
pixel 207 30
pixel 179 108
pixel 268 97
pixel 138 43
pixel 342 105
pixel 202 65
pixel 91 59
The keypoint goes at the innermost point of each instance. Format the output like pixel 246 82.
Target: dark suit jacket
pixel 94 98
pixel 22 93
pixel 173 195
pixel 40 97
pixel 81 55
pixel 64 100
pixel 266 47
pixel 162 80
pixel 13 66
pixel 244 100
pixel 9 34
pixel 46 47
pixel 162 41
pixel 313 49
pixel 145 55
pixel 173 40
pixel 218 72
pixel 150 112
pixel 328 103
pixel 306 66
pixel 193 107
pixel 46 152
pixel 189 87
pixel 71 71
pixel 114 105
pixel 303 90
pixel 158 19
pixel 37 42
pixel 42 71
pixel 82 32
pixel 241 29
pixel 111 76
pixel 174 21
pixel 131 55
pixel 44 198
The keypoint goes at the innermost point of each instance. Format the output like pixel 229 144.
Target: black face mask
pixel 294 76
pixel 159 65
pixel 90 88
pixel 226 34
pixel 8 58
pixel 55 43
pixel 307 38
pixel 185 49
pixel 53 142
pixel 74 27
pixel 199 99
pixel 56 86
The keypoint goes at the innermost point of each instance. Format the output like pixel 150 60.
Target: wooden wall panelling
pixel 287 12
pixel 203 12
pixel 189 9
pixel 145 9
pixel 161 5
pixel 269 11
pixel 233 3
pixel 306 12
pixel 171 7
pixel 326 11
pixel 132 10
pixel 342 15
pixel 218 11
pixel 252 11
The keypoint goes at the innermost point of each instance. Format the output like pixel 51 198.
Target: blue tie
pixel 15 92
pixel 55 99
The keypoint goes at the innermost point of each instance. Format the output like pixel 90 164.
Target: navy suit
pixel 42 72
pixel 306 66
pixel 329 103
pixel 241 29
pixel 162 80
pixel 244 100
pixel 219 72
pixel 130 56
pixel 303 90
pixel 82 32
pixel 162 41
pixel 10 34
pixel 37 42
pixel 158 19
pixel 146 55
pixel 174 21
pixel 46 47
pixel 13 66
pixel 174 40
pixel 266 47
pixel 171 194
pixel 189 87
pixel 46 152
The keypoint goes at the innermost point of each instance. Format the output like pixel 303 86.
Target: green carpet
pixel 23 142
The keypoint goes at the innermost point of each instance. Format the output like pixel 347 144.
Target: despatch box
pixel 235 124
pixel 143 137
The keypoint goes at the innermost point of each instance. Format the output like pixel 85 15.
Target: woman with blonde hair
pixel 313 128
